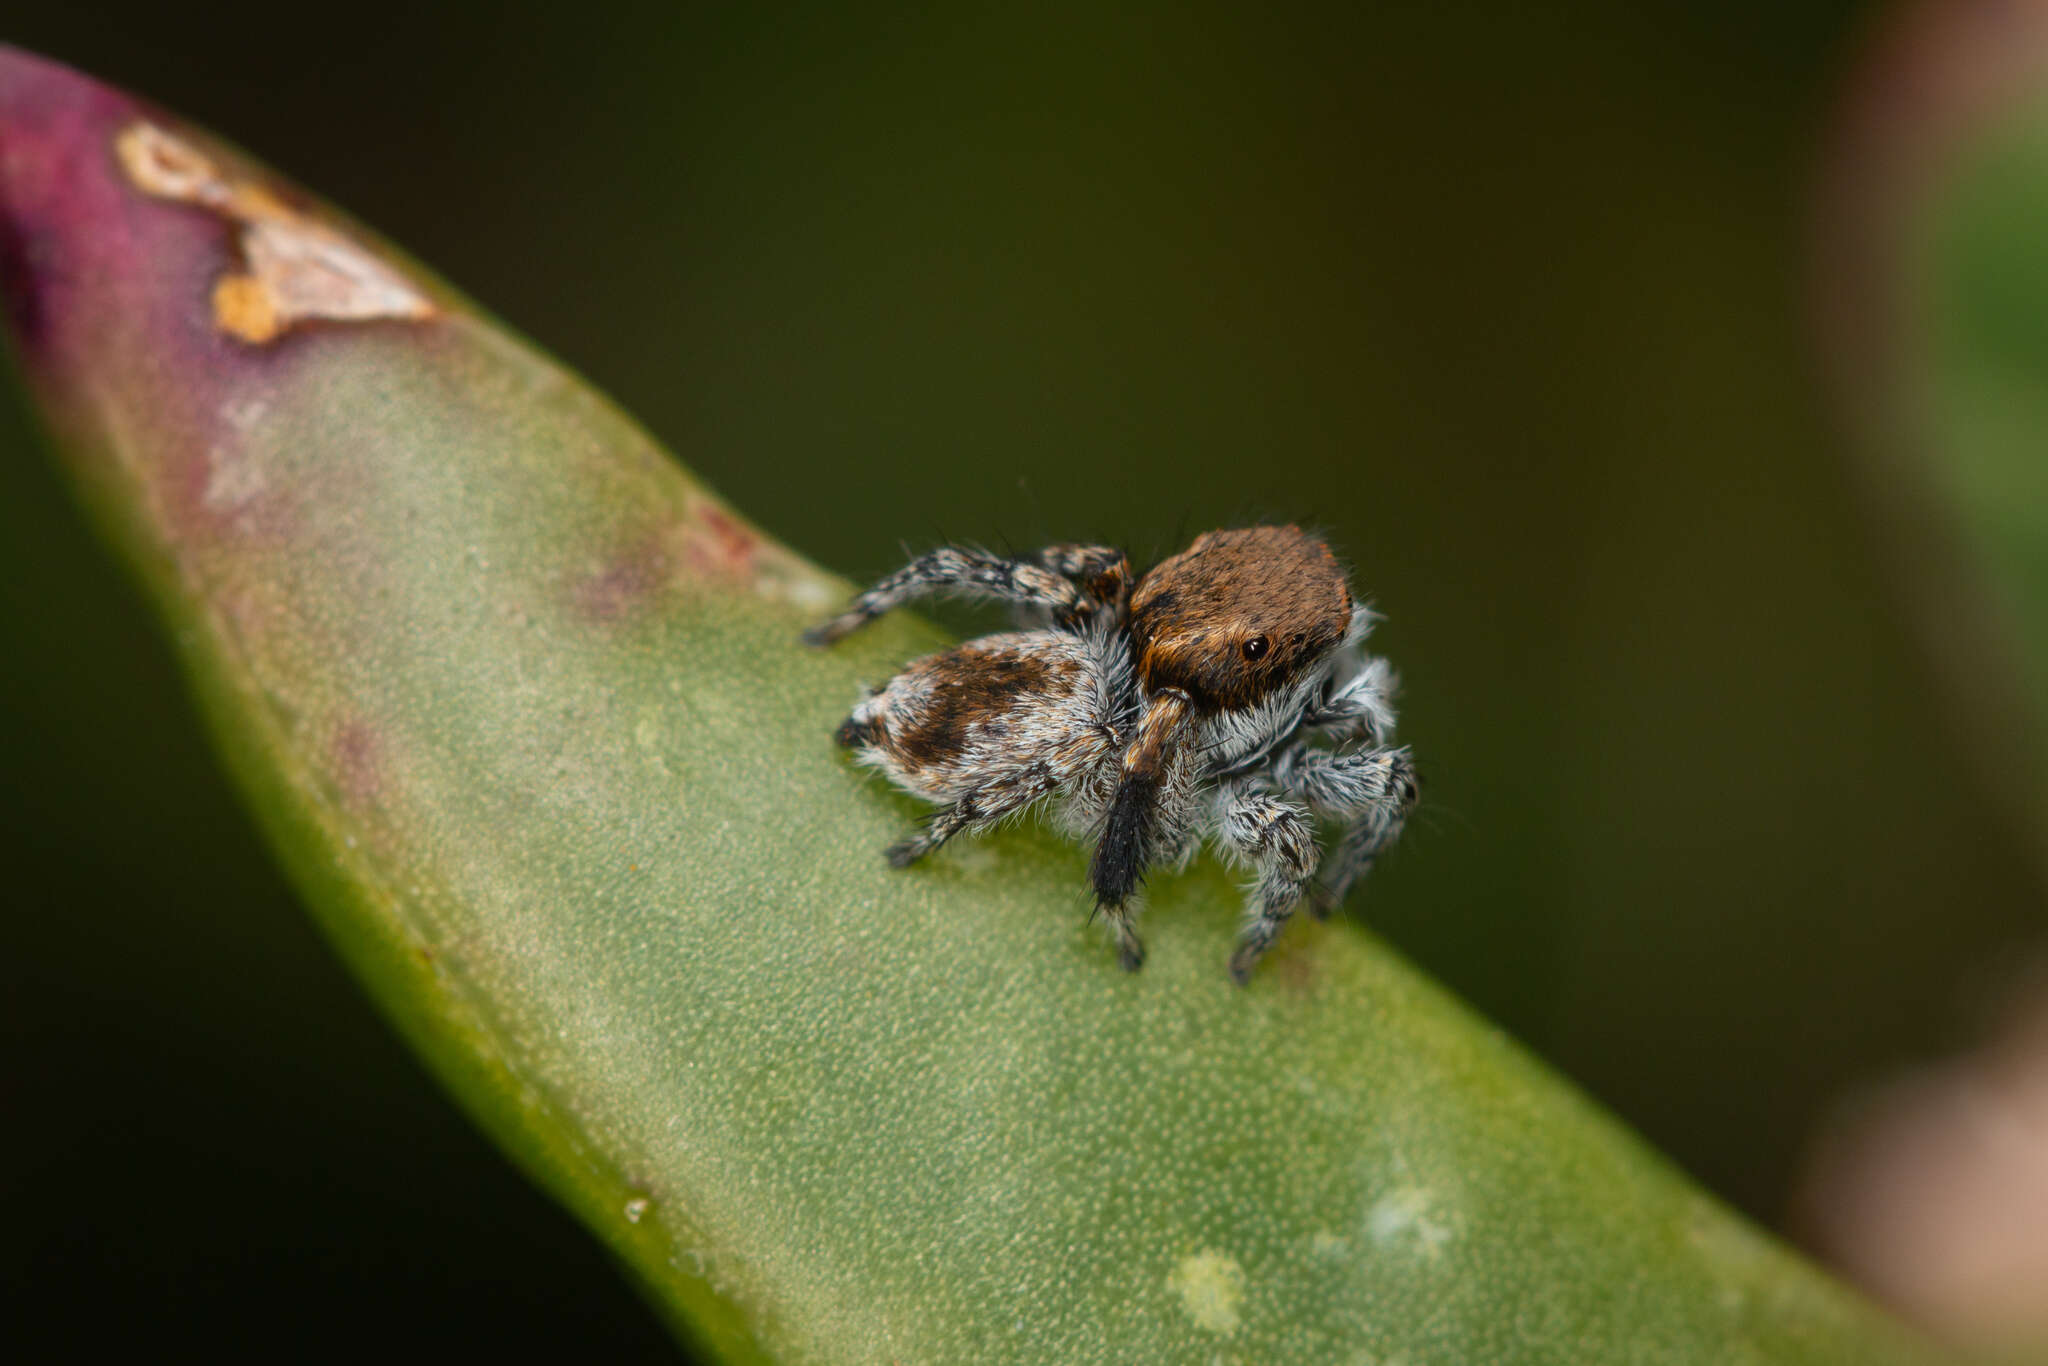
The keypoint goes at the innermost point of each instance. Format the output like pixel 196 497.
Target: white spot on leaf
pixel 1402 1216
pixel 1211 1290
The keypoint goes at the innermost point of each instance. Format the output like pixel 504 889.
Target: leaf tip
pixel 296 269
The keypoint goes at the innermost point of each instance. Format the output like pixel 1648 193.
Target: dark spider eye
pixel 1255 648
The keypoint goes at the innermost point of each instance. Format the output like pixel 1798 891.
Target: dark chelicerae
pixel 1226 695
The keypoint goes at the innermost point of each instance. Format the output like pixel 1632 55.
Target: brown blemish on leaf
pixel 704 546
pixel 626 581
pixel 355 759
pixel 717 545
pixel 298 269
pixel 1297 973
pixel 709 542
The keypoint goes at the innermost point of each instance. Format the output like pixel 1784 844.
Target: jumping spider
pixel 1159 713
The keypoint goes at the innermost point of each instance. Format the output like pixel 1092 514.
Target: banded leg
pixel 1371 790
pixel 978 809
pixel 977 573
pixel 1275 837
pixel 1102 571
pixel 1361 709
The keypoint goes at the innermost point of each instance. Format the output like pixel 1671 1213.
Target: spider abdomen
pixel 1021 700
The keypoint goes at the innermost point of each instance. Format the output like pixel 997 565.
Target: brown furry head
pixel 1238 614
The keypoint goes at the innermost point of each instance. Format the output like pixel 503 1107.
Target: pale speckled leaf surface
pixel 522 709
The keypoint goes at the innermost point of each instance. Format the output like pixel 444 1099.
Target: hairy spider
pixel 1182 708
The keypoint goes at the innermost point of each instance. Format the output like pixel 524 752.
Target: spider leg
pixel 1102 571
pixel 989 804
pixel 1372 791
pixel 977 809
pixel 1276 839
pixel 1154 767
pixel 1042 582
pixel 1361 708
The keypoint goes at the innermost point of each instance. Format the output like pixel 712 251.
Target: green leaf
pixel 522 710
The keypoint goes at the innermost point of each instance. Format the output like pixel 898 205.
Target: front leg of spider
pixel 1361 709
pixel 1145 812
pixel 1371 791
pixel 1276 838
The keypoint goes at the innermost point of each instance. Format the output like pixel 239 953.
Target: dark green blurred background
pixel 1508 302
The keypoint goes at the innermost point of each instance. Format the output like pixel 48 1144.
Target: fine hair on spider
pixel 1224 697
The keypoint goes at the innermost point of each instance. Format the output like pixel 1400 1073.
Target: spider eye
pixel 1256 647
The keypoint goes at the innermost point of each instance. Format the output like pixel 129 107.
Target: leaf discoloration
pixel 297 269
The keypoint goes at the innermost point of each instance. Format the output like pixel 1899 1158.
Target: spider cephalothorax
pixel 1237 615
pixel 1152 716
